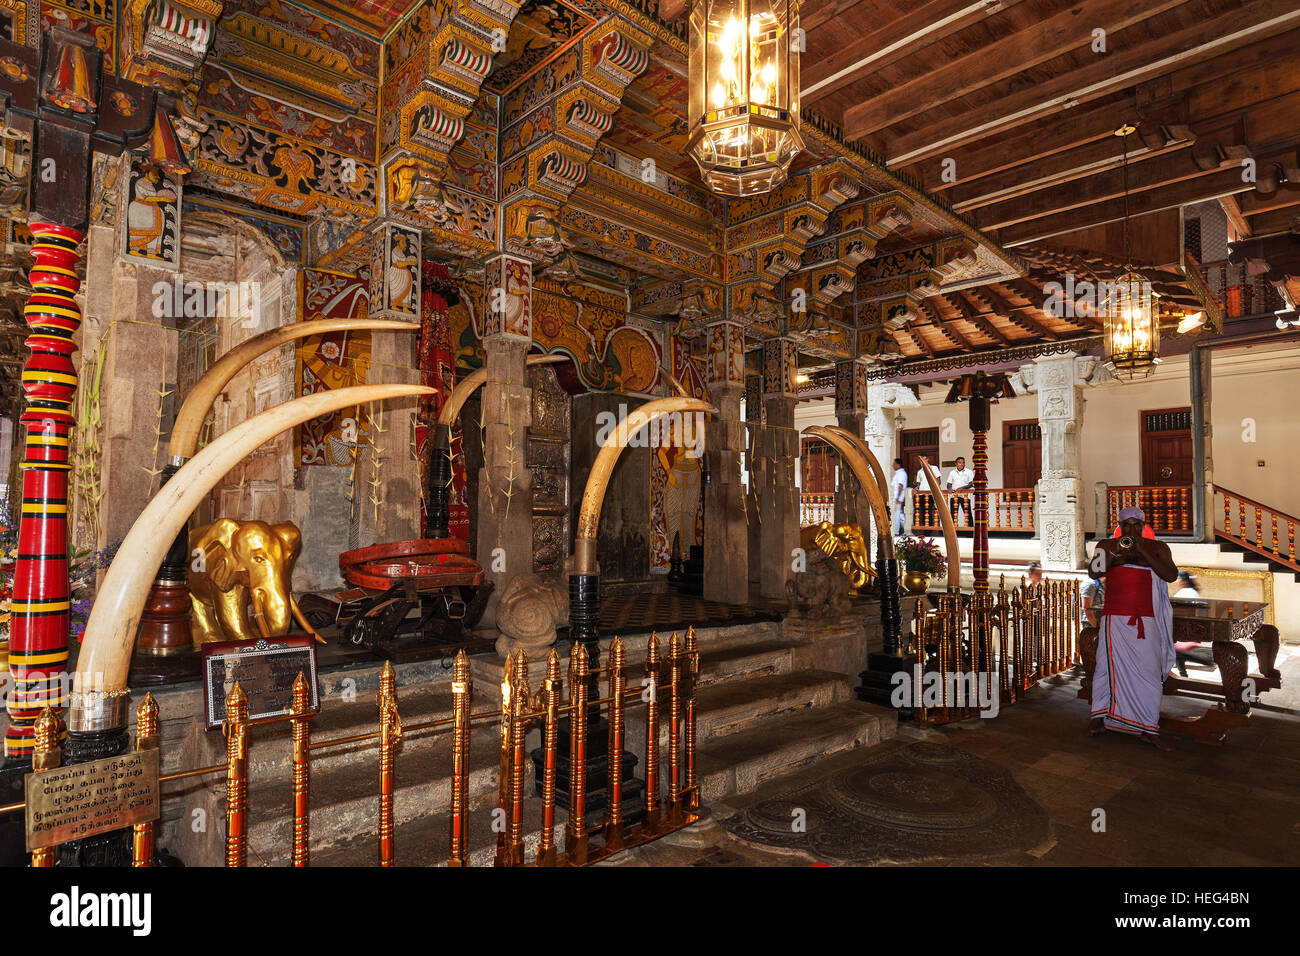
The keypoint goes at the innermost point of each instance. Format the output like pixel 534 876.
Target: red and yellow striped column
pixel 980 544
pixel 38 639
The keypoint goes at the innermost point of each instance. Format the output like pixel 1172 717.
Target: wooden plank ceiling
pixel 1014 100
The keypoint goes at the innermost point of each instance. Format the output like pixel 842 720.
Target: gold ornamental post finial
pixel 390 734
pixel 550 741
pixel 46 755
pixel 614 791
pixel 301 770
pixel 691 790
pixel 674 731
pixel 236 731
pixel 650 822
pixel 575 831
pixel 146 738
pixel 460 695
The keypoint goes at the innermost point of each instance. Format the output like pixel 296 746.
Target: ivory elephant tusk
pixel 874 462
pixel 593 496
pixel 298 616
pixel 862 470
pixel 463 389
pixel 110 631
pixel 185 433
pixel 949 527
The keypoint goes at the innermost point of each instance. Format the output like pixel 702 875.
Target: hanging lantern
pixel 1132 326
pixel 744 93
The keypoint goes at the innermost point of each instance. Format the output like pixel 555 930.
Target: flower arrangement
pixel 920 554
pixel 82 568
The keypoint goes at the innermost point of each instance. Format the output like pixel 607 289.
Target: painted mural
pixel 586 324
pixel 336 360
pixel 150 218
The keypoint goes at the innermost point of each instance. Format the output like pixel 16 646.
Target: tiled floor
pixel 1112 800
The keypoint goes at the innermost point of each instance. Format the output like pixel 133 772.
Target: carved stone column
pixel 726 526
pixel 1060 490
pixel 755 418
pixel 851 414
pixel 778 498
pixel 505 488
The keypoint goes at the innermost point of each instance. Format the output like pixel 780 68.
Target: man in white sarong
pixel 1135 646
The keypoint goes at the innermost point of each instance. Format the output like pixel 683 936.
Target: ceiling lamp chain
pixel 1132 320
pixel 744 93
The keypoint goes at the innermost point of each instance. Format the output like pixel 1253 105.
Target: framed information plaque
pixel 265 670
pixel 82 799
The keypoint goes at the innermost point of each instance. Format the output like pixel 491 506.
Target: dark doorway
pixel 817 469
pixel 1022 454
pixel 918 442
pixel 1167 447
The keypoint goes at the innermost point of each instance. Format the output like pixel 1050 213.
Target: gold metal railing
pixel 520 711
pixel 975 648
pixel 816 508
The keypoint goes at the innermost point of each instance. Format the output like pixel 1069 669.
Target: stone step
pixel 345 799
pixel 271 755
pixel 425 841
pixel 736 706
pixel 740 763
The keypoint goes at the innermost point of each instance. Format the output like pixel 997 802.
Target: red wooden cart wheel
pixel 427 563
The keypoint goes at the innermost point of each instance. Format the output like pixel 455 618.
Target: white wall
pixel 1259 383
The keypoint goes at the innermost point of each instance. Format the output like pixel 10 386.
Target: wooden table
pixel 1223 625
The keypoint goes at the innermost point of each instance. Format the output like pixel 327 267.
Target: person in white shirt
pixel 960 479
pixel 898 494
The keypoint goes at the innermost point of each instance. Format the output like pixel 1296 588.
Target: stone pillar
pixel 726 528
pixel 505 487
pixel 851 414
pixel 1060 491
pixel 1202 443
pixel 755 418
pixel 778 498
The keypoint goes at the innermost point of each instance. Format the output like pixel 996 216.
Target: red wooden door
pixel 1167 447
pixel 1022 454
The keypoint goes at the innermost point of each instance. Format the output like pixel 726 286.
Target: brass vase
pixel 916 582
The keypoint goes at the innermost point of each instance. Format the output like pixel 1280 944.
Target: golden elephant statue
pixel 845 546
pixel 239 578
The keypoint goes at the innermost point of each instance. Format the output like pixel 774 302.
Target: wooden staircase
pixel 1250 527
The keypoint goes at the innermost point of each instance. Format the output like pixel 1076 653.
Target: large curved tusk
pixel 949 527
pixel 593 496
pixel 301 619
pixel 185 433
pixel 110 631
pixel 872 460
pixel 463 389
pixel 858 463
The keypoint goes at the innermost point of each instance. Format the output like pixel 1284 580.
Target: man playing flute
pixel 1135 646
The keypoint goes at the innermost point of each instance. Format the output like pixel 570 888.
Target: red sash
pixel 1128 594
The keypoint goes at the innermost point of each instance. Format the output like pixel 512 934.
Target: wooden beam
pixel 1094 158
pixel 973 316
pixel 1018 315
pixel 810 19
pixel 1232 209
pixel 953 335
pixel 1285 196
pixel 1279 220
pixel 1253 22
pixel 897 39
pixel 918 340
pixel 1201 189
pixel 1045 40
pixel 1048 138
pixel 1099 188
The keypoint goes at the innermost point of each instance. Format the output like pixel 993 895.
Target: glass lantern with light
pixel 1132 326
pixel 744 93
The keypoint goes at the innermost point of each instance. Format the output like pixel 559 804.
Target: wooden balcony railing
pixel 1010 509
pixel 1256 527
pixel 1168 508
pixel 815 508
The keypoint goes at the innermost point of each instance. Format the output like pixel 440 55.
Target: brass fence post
pixel 650 823
pixel 502 823
pixel 614 791
pixel 146 738
pixel 301 719
pixel 550 742
pixel 461 689
pixel 674 733
pixel 692 791
pixel 46 755
pixel 575 833
pixel 236 731
pixel 390 734
pixel 518 731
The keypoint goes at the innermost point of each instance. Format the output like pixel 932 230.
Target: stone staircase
pixel 766 705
